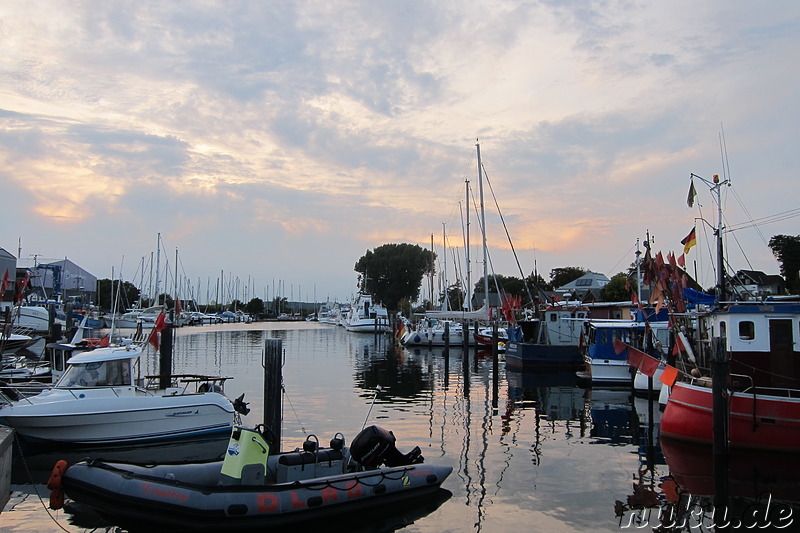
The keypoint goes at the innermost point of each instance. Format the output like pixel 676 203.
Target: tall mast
pixel 469 267
pixel 444 254
pixel 158 267
pixel 483 228
pixel 720 256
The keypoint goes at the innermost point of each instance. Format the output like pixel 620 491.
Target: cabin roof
pixel 111 353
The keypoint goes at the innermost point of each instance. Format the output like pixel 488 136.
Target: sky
pixel 272 144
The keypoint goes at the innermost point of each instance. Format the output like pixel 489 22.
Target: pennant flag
pixel 692 194
pixel 682 261
pixel 669 375
pixel 689 241
pixel 648 365
pixel 157 327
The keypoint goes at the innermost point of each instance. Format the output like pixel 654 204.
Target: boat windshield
pixel 97 374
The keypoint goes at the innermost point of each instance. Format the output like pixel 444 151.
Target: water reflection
pixel 529 450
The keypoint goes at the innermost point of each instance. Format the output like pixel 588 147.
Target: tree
pixel 563 275
pixel 392 272
pixel 255 307
pixel 107 295
pixel 617 290
pixel 786 248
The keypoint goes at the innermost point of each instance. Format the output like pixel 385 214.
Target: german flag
pixel 689 241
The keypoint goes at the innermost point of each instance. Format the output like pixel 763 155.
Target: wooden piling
pixel 273 380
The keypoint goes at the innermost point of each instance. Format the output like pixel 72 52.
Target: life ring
pixel 54 484
pixel 9 391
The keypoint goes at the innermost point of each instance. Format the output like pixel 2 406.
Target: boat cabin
pixel 763 341
pixel 103 367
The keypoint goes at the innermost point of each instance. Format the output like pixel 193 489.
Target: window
pixel 747 330
pixel 583 282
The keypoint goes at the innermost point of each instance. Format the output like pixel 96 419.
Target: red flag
pixel 671 260
pixel 648 365
pixel 20 291
pixel 153 339
pixel 635 357
pixel 104 342
pixel 5 284
pixel 669 375
pixel 619 347
pixel 159 325
pixel 682 261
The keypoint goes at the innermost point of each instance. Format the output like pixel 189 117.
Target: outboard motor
pixel 375 446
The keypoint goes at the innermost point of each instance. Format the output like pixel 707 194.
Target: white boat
pixel 606 366
pixel 36 318
pixel 365 316
pixel 98 401
pixel 431 332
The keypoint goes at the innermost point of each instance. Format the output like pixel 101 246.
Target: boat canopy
pixel 112 353
pixel 480 314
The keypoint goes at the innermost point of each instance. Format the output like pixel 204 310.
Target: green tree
pixel 455 296
pixel 616 289
pixel 392 272
pixel 563 275
pixel 255 307
pixel 786 248
pixel 107 294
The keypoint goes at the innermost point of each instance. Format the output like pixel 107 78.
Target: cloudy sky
pixel 276 142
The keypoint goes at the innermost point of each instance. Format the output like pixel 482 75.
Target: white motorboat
pixel 98 401
pixel 366 317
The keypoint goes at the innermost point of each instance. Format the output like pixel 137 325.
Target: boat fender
pixel 9 391
pixel 54 484
pixel 311 445
pixel 337 442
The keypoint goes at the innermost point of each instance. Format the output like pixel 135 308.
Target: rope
pixel 34 484
pixel 292 406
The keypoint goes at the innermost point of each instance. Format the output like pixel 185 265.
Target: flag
pixel 692 194
pixel 689 241
pixel 157 327
pixel 682 261
pixel 5 284
pixel 177 307
pixel 19 294
pixel 669 375
pixel 104 342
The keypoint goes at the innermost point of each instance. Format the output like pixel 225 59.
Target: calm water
pixel 530 452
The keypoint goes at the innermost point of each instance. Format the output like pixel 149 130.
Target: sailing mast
pixel 469 267
pixel 483 228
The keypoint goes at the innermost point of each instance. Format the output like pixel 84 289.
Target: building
pixel 754 285
pixel 61 279
pixel 585 288
pixel 8 263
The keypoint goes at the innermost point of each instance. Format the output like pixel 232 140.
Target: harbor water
pixel 530 451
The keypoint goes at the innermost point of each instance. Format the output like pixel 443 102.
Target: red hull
pixel 761 422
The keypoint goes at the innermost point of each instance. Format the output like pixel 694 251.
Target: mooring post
pixel 165 357
pixel 446 354
pixel 273 380
pixel 495 366
pixel 719 383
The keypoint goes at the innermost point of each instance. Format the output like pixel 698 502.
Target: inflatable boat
pixel 249 488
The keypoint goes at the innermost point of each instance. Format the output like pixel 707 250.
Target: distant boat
pixel 550 341
pixel 365 316
pixel 605 365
